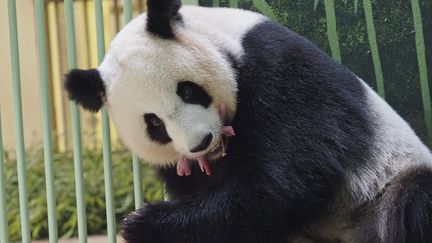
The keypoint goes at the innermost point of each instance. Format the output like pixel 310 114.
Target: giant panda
pixel 317 155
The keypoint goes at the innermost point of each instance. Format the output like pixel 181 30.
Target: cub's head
pixel 163 81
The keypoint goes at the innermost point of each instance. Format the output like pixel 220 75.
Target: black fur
pixel 406 208
pixel 86 88
pixel 297 113
pixel 162 15
pixel 192 93
pixel 156 133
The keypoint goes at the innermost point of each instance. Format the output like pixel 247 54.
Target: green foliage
pixel 65 192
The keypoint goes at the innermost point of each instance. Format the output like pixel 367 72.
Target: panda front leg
pixel 234 212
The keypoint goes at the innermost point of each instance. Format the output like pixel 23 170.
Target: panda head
pixel 163 80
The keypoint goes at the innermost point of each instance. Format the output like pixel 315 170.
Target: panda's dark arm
pixel 235 211
pixel 239 209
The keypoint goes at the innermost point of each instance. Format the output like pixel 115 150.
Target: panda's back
pixel 285 78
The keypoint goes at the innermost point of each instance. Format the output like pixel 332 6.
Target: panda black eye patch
pixel 192 93
pixel 156 129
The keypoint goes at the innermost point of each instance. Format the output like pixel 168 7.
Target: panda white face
pixel 163 85
pixel 163 94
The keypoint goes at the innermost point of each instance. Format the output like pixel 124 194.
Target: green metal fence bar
pixel 138 195
pixel 190 2
pixel 356 6
pixel 127 11
pixel 4 236
pixel 315 6
pixel 109 192
pixel 46 121
pixel 421 57
pixel 233 3
pixel 331 29
pixel 367 5
pixel 18 119
pixel 76 127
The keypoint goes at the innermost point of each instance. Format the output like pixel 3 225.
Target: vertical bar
pixel 367 5
pixel 138 195
pixel 215 3
pixel 137 181
pixel 127 11
pixel 3 213
pixel 109 193
pixel 46 121
pixel 18 119
pixel 356 6
pixel 233 3
pixel 421 58
pixel 190 2
pixel 331 29
pixel 315 6
pixel 264 8
pixel 54 49
pixel 76 127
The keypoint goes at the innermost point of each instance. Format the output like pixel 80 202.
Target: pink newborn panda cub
pixel 184 164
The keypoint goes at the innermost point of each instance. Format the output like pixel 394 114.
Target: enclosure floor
pixel 91 239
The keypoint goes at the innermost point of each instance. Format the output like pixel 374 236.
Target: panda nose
pixel 204 143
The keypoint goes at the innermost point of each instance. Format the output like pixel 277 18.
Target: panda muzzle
pixel 184 164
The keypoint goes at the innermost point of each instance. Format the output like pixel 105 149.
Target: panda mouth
pixel 218 151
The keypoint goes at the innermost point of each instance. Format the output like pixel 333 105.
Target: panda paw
pixel 141 225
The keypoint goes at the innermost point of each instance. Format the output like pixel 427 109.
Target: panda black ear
pixel 85 87
pixel 161 16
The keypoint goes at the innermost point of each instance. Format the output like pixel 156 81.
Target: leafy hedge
pixel 65 192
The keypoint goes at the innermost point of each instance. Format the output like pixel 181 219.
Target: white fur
pixel 395 148
pixel 224 27
pixel 141 71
